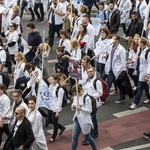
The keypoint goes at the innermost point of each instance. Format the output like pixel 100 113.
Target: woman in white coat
pixel 125 8
pixel 65 39
pixel 82 119
pixel 35 118
pixel 19 67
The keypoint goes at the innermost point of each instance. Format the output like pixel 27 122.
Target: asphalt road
pixel 105 112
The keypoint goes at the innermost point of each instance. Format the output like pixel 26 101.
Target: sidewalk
pixel 111 132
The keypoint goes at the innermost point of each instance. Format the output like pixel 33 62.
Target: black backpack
pixel 94 108
pixel 64 102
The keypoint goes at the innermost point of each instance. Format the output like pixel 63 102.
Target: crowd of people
pixel 99 60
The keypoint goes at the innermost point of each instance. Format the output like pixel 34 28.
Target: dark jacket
pixel 114 22
pixel 63 62
pixel 136 29
pixel 88 3
pixel 124 84
pixel 24 135
pixel 34 40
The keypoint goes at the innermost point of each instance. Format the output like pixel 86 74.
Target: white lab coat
pixel 142 8
pixel 144 68
pixel 118 62
pixel 125 8
pixel 36 121
pixel 132 56
pixel 84 117
pixel 96 93
pixel 66 44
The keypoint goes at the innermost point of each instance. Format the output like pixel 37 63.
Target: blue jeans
pixel 75 135
pixel 110 79
pixel 140 87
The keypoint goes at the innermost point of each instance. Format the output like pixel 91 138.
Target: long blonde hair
pixel 74 44
pixel 47 48
pixel 22 58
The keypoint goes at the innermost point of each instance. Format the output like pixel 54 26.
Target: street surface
pixel 119 127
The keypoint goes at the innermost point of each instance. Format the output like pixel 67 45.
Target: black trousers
pixel 54 121
pixel 52 29
pixel 40 6
pixel 23 5
pixel 4 129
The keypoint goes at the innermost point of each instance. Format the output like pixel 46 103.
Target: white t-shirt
pixel 17 21
pixel 12 37
pixel 58 18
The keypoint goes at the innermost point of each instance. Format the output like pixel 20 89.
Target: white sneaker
pixel 134 88
pixel 133 106
pixel 146 101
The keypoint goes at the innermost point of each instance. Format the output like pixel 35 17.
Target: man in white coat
pixel 125 7
pixel 117 64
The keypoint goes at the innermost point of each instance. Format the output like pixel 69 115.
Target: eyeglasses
pixel 10 26
pixel 16 113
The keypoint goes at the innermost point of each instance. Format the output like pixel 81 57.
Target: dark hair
pixel 61 49
pixel 3 87
pixel 106 30
pixel 134 13
pixel 65 33
pixel 117 37
pixel 83 33
pixel 32 98
pixel 14 25
pixel 55 76
pixel 29 65
pixel 101 3
pixel 31 25
pixel 111 2
pixel 73 89
pixel 18 91
pixel 1 42
pixel 75 11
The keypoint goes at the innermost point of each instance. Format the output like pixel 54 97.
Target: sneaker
pixel 114 93
pixel 147 136
pixel 133 106
pixel 134 88
pixel 37 20
pixel 123 36
pixel 40 22
pixel 31 19
pixel 68 101
pixel 85 142
pixel 10 74
pixel 120 101
pixel 146 101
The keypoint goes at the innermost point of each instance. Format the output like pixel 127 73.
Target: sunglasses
pixel 16 113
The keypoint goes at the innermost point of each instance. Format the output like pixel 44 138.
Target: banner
pixel 75 70
pixel 44 96
pixel 96 24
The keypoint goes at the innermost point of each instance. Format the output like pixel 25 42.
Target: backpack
pixel 105 88
pixel 146 54
pixel 8 58
pixel 64 102
pixel 94 108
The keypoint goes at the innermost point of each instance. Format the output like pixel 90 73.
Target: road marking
pixel 107 148
pixel 130 112
pixel 137 147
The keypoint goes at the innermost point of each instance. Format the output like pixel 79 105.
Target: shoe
pixel 85 142
pixel 123 36
pixel 62 130
pixel 10 74
pixel 114 93
pixel 134 88
pixel 68 101
pixel 120 101
pixel 31 19
pixel 146 101
pixel 37 20
pixel 133 106
pixel 95 136
pixel 147 135
pixel 40 22
pixel 51 140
